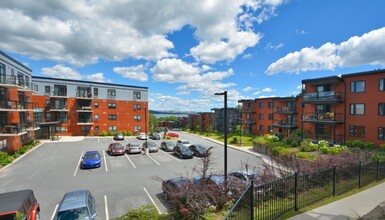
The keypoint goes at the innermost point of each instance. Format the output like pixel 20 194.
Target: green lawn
pixel 247 140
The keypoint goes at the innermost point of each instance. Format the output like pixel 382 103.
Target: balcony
pixel 284 124
pixel 13 129
pixel 15 81
pixel 323 97
pixel 326 118
pixel 59 108
pixel 83 93
pixel 248 121
pixel 32 126
pixel 84 108
pixel 284 110
pixel 60 94
pixel 248 110
pixel 17 106
pixel 85 121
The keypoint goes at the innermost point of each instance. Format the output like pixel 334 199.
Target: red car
pixel 23 202
pixel 116 148
pixel 173 135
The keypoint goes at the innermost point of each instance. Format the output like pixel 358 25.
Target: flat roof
pixel 9 57
pixel 328 79
pixel 89 82
pixel 364 73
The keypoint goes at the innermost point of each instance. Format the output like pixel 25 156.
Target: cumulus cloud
pixel 270 46
pixel 97 77
pixel 246 89
pixel 365 49
pixel 267 89
pixel 163 102
pixel 247 56
pixel 60 71
pixel 132 72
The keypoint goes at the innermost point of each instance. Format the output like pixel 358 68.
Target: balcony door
pixel 323 132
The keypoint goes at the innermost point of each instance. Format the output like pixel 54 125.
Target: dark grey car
pixel 152 147
pixel 76 205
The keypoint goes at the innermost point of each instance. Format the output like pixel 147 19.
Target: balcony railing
pixel 32 125
pixel 15 80
pixel 285 109
pixel 59 93
pixel 84 95
pixel 62 107
pixel 84 107
pixel 284 123
pixel 248 122
pixel 16 105
pixel 325 117
pixel 245 110
pixel 323 96
pixel 85 120
pixel 13 128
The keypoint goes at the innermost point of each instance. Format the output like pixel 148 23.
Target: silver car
pixel 133 148
pixel 152 147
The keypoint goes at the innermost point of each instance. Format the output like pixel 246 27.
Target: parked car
pixel 168 145
pixel 142 136
pixel 76 205
pixel 133 148
pixel 185 143
pixel 12 204
pixel 246 176
pixel 175 186
pixel 119 136
pixel 199 150
pixel 91 159
pixel 116 148
pixel 152 147
pixel 235 186
pixel 183 152
pixel 172 135
pixel 155 136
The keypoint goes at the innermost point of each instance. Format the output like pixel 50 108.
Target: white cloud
pixel 132 72
pixel 270 46
pixel 300 31
pixel 267 89
pixel 247 56
pixel 246 89
pixel 60 71
pixel 159 101
pixel 366 49
pixel 299 87
pixel 257 92
pixel 97 77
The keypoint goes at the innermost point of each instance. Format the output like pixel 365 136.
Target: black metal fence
pixel 276 198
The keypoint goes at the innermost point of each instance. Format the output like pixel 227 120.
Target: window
pixel 381 84
pixel 357 86
pixel 270 105
pixel 111 128
pixel 47 90
pixel 96 92
pixel 357 131
pixel 111 105
pixel 271 128
pixel 137 107
pixel 137 128
pixel 137 95
pixel 48 116
pixel 357 109
pixel 96 117
pixel 61 116
pixel 111 93
pixel 260 116
pixel 137 117
pixel 381 109
pixel 261 104
pixel 270 116
pixel 48 102
pixel 112 117
pixel 97 129
pixel 249 104
pixel 60 129
pixel 85 128
pixel 260 127
pixel 381 133
pixel 96 104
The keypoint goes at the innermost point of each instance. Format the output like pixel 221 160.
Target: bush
pixel 358 144
pixel 103 133
pixel 382 146
pixel 234 140
pixel 370 145
pixel 306 156
pixel 308 146
pixel 146 212
pixel 336 149
pixel 281 151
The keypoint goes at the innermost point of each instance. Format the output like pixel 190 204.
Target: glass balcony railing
pixel 285 109
pixel 13 128
pixel 327 116
pixel 322 96
pixel 16 105
pixel 284 123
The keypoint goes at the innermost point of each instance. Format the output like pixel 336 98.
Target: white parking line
pixel 153 202
pixel 77 167
pixel 130 161
pixel 153 159
pixel 171 156
pixel 106 207
pixel 105 160
pixel 54 211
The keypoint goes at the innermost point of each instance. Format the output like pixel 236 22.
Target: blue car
pixel 91 159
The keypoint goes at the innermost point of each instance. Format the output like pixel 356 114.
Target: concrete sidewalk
pixel 353 207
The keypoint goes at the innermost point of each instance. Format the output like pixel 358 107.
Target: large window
pixel 270 105
pixel 137 95
pixel 137 107
pixel 137 118
pixel 357 131
pixel 260 116
pixel 261 104
pixel 96 92
pixel 112 117
pixel 381 133
pixel 381 84
pixel 137 128
pixel 357 109
pixel 111 93
pixel 381 109
pixel 112 128
pixel 96 117
pixel 85 128
pixel 260 127
pixel 112 105
pixel 357 86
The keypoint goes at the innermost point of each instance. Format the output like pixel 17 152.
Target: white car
pixel 142 136
pixel 185 143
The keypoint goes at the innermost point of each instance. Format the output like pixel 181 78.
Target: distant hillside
pixel 170 112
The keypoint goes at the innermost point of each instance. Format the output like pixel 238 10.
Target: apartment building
pixel 285 117
pixel 206 121
pixel 365 106
pixel 74 107
pixel 248 112
pixel 19 115
pixel 233 119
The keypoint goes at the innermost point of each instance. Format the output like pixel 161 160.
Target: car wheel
pixel 37 216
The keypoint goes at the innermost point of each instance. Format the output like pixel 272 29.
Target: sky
pixel 185 51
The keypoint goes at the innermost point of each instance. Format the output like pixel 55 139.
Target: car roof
pixel 245 172
pixel 13 201
pixel 74 199
pixel 92 152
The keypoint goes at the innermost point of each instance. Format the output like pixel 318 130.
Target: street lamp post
pixel 145 130
pixel 225 131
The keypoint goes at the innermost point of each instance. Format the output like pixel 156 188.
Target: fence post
pixel 334 180
pixel 296 191
pixel 359 174
pixel 378 170
pixel 252 200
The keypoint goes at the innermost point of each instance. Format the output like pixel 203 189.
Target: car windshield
pixel 184 149
pixel 115 146
pixel 79 213
pixel 91 156
pixel 151 144
pixel 200 147
pixel 185 142
pixel 170 143
pixel 134 145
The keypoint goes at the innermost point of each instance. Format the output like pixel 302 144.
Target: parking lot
pixel 121 183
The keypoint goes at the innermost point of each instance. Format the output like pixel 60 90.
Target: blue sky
pixel 185 51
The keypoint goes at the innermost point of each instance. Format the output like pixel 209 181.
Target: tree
pixel 239 130
pixel 153 122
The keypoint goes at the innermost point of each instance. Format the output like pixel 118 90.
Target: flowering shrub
pixel 336 149
pixel 270 138
pixel 308 146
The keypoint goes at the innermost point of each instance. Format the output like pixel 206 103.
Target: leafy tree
pixel 168 118
pixel 153 122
